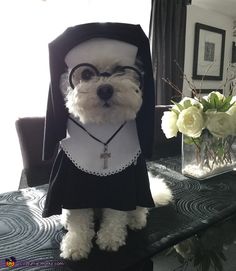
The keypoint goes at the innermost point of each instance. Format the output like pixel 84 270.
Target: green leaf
pixel 187 104
pixel 214 100
pixel 206 104
pixel 175 111
pixel 225 106
pixel 188 140
pixel 228 99
pixel 221 151
pixel 180 107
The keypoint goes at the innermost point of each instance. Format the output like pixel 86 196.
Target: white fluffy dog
pixel 104 91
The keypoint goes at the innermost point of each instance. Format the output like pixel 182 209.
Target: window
pixel 26 29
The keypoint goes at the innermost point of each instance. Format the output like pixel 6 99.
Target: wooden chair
pixel 30 133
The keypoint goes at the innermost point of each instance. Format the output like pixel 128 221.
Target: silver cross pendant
pixel 105 155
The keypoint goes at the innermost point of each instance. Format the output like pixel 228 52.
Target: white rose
pixel 220 96
pixel 232 113
pixel 168 124
pixel 190 122
pixel 220 124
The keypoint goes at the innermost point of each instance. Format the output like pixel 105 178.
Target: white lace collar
pixel 85 152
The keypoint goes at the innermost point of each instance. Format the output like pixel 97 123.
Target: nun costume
pixel 98 166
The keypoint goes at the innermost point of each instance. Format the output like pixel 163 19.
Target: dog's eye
pixel 130 72
pixel 82 72
pixel 119 71
pixel 87 74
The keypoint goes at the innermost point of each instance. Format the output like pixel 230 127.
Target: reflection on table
pixel 194 216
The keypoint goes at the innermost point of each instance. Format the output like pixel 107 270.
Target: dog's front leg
pixel 113 230
pixel 137 219
pixel 77 242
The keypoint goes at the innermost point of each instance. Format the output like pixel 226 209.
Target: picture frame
pixel 209 49
pixel 205 92
pixel 234 52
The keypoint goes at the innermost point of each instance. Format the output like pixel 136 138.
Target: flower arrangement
pixel 191 116
pixel 208 125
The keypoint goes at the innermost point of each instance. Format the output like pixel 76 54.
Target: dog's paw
pixel 74 255
pixel 137 223
pixel 110 241
pixel 75 248
pixel 137 219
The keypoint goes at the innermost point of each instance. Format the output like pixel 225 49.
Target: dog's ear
pixel 64 83
pixel 139 64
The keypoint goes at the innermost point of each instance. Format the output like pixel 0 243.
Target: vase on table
pixel 207 155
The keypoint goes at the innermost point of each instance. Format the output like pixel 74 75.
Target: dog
pixel 105 89
pixel 102 91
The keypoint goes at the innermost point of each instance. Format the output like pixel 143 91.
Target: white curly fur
pixel 86 105
pixel 83 102
pixel 77 243
pixel 161 193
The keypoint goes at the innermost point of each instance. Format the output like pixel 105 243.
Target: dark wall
pixel 164 147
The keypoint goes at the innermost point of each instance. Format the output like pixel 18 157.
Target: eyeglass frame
pixel 104 74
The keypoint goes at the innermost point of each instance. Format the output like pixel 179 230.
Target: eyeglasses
pixel 85 72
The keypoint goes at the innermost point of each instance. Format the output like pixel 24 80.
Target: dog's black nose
pixel 105 92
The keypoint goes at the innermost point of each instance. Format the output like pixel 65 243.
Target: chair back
pixel 30 133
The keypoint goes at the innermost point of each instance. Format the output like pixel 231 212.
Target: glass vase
pixel 208 156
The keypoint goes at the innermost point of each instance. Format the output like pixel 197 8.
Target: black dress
pixel 72 188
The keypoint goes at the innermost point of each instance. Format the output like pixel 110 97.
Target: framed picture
pixel 205 92
pixel 234 52
pixel 209 48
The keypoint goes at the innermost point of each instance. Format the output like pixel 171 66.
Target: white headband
pixel 99 49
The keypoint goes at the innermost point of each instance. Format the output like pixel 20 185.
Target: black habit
pixel 69 187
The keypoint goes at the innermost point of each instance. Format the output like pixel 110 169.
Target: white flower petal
pixel 168 124
pixel 190 122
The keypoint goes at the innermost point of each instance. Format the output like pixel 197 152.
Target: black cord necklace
pixel 105 155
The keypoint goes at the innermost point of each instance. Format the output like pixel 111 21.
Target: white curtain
pixel 26 28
